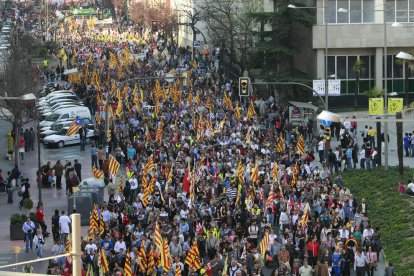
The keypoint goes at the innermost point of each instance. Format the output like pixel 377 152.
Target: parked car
pixel 60 139
pixel 55 128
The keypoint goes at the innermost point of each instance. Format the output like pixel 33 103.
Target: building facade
pixel 353 30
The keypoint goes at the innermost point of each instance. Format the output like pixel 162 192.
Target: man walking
pixel 82 135
pixel 41 218
pixel 28 229
pixel 94 156
pixel 78 169
pixel 58 168
pixel 55 226
pixel 64 222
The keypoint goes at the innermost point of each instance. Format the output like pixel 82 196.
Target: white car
pixel 56 127
pixel 60 139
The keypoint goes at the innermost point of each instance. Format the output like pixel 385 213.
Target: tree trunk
pixel 399 144
pixel 356 91
pixel 379 144
pixel 16 127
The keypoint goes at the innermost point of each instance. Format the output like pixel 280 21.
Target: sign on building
pixel 334 87
pixel 395 105
pixel 376 106
pixel 196 43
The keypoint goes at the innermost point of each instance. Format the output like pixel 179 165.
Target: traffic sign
pixel 196 43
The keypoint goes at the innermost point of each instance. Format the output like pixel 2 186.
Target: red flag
pixel 186 182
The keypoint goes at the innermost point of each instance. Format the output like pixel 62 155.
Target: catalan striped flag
pixel 158 134
pixel 254 177
pixel 270 199
pixel 237 112
pixel 264 244
pixel 227 102
pixel 127 265
pixel 304 219
pixel 96 172
pixel 121 184
pixel 275 171
pixel 166 260
pixel 157 91
pixel 68 244
pixel 248 138
pixel 177 269
pixel 90 60
pixel 113 60
pixel 239 190
pixel 76 124
pixel 113 165
pixel 197 99
pixel 190 98
pixel 281 144
pixel 193 257
pixel 104 262
pixel 157 108
pixel 142 257
pixel 251 111
pixel 158 238
pixel 150 262
pixel 240 172
pixel 208 104
pixel 119 108
pixel 149 166
pixel 300 146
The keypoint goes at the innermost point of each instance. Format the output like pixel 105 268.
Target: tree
pixel 230 27
pixel 17 79
pixel 359 68
pixel 137 12
pixel 278 40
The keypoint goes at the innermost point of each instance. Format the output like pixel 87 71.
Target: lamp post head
pixel 291 6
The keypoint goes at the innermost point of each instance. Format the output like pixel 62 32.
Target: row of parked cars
pixel 57 110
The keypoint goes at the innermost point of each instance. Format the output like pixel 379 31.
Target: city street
pixel 52 198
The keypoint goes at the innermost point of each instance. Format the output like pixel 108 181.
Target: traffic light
pixel 154 26
pixel 244 84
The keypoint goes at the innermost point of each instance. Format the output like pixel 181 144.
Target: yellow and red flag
pixel 113 165
pixel 97 173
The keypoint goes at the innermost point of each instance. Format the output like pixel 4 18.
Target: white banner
pixel 334 87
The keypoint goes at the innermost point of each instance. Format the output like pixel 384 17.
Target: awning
pixel 329 117
pixel 304 105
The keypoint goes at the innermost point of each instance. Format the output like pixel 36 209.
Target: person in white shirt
pixel 134 186
pixel 368 232
pixel 91 246
pixel 344 233
pixel 321 150
pixel 120 244
pixel 305 270
pixel 64 225
pixel 410 188
pixel 359 263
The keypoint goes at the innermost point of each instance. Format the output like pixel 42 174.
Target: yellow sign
pixel 16 249
pixel 395 105
pixel 376 106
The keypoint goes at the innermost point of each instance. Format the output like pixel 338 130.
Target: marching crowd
pixel 210 186
pixel 198 182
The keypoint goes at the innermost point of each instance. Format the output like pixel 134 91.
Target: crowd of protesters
pixel 224 175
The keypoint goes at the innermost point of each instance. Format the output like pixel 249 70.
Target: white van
pixel 65 114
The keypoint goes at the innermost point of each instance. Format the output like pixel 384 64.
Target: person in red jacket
pixel 313 248
pixel 41 218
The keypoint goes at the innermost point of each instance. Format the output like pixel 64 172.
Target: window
pixel 351 62
pixel 357 11
pixel 342 67
pixel 394 68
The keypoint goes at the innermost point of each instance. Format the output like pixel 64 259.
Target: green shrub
pixel 43 52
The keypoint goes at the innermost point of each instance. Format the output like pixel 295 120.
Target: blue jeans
pixel 362 163
pixel 95 161
pixel 29 241
pixel 368 163
pixel 64 237
pixel 82 143
pixel 349 163
pixel 39 250
pixel 412 150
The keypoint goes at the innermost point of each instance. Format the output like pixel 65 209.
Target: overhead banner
pixel 376 106
pixel 334 87
pixel 395 105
